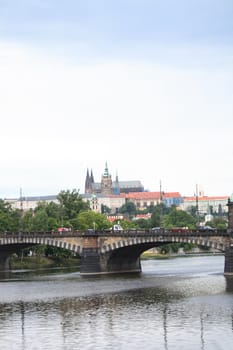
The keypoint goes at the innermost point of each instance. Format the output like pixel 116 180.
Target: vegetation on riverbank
pixel 151 255
pixel 36 262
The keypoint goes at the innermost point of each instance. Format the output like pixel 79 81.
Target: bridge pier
pixel 90 262
pixel 93 263
pixel 228 268
pixel 124 260
pixel 4 261
pixel 90 257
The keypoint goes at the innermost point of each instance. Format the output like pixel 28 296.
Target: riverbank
pixel 35 262
pixel 151 255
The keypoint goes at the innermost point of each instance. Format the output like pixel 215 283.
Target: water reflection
pixel 22 311
pixel 123 312
pixel 134 317
pixel 165 326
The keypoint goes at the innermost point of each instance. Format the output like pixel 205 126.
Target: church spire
pixel 92 177
pixel 106 173
pixel 106 181
pixel 88 182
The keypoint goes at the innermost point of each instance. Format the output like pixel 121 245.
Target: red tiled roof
pixel 171 195
pixel 152 195
pixel 206 198
pixel 143 195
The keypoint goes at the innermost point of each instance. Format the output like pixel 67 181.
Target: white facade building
pixel 142 200
pixel 206 205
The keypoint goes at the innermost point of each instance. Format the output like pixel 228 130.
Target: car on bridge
pixel 63 229
pixel 156 229
pixel 180 229
pixel 115 228
pixel 159 230
pixel 207 228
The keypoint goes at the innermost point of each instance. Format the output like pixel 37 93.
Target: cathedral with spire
pixel 109 187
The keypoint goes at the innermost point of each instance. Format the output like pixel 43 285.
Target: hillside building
pixel 206 204
pixel 109 187
pixel 143 200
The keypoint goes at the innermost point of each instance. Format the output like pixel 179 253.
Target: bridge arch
pixel 161 240
pixel 124 254
pixel 13 244
pixel 19 242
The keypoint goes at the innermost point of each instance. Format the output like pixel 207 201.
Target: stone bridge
pixel 114 252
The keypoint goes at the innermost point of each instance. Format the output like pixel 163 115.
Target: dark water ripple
pixel 183 303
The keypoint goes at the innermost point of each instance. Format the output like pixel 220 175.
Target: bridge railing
pixel 130 232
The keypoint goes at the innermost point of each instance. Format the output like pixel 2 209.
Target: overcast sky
pixel 146 85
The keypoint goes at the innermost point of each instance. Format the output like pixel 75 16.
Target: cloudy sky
pixel 146 85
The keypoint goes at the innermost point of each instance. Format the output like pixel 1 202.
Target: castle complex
pixel 114 194
pixel 109 187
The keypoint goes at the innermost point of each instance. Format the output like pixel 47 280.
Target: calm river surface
pixel 180 303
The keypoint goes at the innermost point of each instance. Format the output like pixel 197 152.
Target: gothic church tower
pixel 106 182
pixel 89 182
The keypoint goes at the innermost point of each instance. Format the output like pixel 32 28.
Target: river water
pixel 180 303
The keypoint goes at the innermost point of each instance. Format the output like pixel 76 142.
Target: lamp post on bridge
pixel 161 205
pixel 197 206
pixel 21 214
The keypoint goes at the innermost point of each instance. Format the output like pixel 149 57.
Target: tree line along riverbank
pixel 38 262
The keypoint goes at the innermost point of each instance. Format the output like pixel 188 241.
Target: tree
pixel 157 215
pixel 9 218
pixel 91 220
pixel 71 204
pixel 143 223
pixel 179 218
pixel 27 221
pixel 40 221
pixel 105 209
pixel 128 208
pixel 218 222
pixel 53 211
